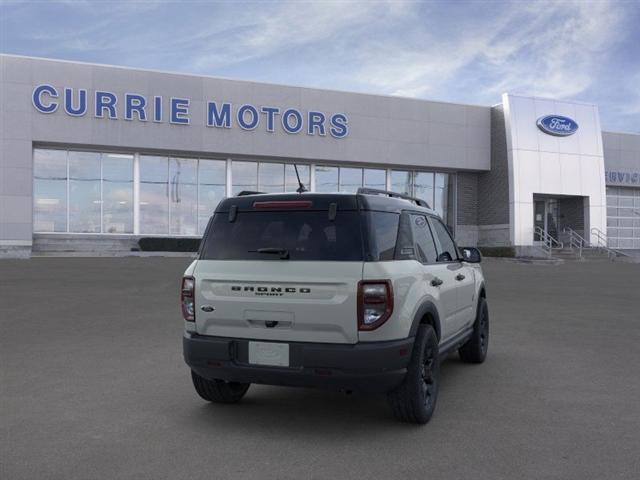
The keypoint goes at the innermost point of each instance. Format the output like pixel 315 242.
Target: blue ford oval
pixel 557 125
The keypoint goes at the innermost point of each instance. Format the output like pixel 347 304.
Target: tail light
pixel 187 298
pixel 375 303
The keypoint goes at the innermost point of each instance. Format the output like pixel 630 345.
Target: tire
pixel 219 391
pixel 475 349
pixel 414 401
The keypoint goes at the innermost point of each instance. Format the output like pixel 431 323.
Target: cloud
pixel 259 33
pixel 546 49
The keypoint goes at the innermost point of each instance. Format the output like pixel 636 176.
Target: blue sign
pixel 557 125
pixel 622 178
pixel 136 107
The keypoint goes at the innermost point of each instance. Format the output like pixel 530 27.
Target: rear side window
pixel 425 248
pixel 305 235
pixel 382 235
pixel 447 251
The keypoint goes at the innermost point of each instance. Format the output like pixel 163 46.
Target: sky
pixel 456 51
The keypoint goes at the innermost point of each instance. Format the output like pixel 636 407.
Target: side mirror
pixel 444 257
pixel 471 255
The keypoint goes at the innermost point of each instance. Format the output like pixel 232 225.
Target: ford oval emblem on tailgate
pixel 557 125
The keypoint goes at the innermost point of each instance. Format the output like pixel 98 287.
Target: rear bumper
pixel 366 367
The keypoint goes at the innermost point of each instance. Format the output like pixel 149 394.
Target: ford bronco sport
pixel 357 292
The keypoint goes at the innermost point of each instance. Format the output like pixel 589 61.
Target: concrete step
pixel 83 243
pixel 588 254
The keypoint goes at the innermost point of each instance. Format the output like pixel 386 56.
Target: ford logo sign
pixel 557 125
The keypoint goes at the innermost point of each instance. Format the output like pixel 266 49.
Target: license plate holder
pixel 269 354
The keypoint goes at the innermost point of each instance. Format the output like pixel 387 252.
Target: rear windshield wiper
pixel 283 252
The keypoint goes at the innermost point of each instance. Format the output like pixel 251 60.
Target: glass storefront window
pixel 49 190
pixel 212 178
pixel 117 193
pixel 271 177
pixel 91 192
pixel 154 195
pixel 350 179
pixel 423 187
pixel 440 194
pixel 85 197
pixel 326 179
pixel 401 182
pixel 244 176
pixel 290 179
pixel 183 196
pixel 375 179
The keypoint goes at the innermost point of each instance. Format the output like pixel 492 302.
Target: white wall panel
pixel 543 164
pixel 551 175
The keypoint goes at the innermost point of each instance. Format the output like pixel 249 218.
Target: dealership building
pixel 95 157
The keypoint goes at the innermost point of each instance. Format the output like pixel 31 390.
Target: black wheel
pixel 475 349
pixel 219 391
pixel 415 399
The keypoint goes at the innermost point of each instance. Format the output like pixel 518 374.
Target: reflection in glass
pixel 49 190
pixel 85 204
pixel 291 181
pixel 350 179
pixel 423 186
pixel 178 196
pixel 183 193
pixel 271 177
pixel 449 209
pixel 440 201
pixel 375 179
pixel 117 193
pixel 326 179
pixel 244 176
pixel 212 175
pixel 401 182
pixel 154 195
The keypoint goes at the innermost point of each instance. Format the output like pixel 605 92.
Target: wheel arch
pixel 427 314
pixel 482 291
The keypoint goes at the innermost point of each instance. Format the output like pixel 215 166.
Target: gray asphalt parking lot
pixel 93 385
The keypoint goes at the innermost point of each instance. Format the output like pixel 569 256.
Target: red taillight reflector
pixel 284 204
pixel 375 303
pixel 187 301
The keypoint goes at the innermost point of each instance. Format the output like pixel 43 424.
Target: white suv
pixel 364 292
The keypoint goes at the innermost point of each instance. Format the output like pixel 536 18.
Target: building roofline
pixel 620 132
pixel 199 75
pixel 549 99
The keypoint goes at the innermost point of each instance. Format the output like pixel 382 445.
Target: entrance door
pixel 545 216
pixel 539 217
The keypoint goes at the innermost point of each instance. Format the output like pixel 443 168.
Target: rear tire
pixel 475 349
pixel 219 391
pixel 414 401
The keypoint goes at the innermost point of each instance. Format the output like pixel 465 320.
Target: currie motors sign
pixel 557 125
pixel 132 106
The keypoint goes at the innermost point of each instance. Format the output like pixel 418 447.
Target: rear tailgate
pixel 311 301
pixel 281 267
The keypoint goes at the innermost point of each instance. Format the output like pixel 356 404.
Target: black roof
pixel 322 201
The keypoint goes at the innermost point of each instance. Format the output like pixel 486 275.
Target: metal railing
pixel 603 245
pixel 576 241
pixel 549 243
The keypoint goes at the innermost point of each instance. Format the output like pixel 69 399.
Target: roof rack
pixel 249 192
pixel 375 191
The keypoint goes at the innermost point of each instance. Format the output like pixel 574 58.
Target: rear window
pixel 305 235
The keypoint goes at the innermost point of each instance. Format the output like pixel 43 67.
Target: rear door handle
pixel 460 277
pixel 436 282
